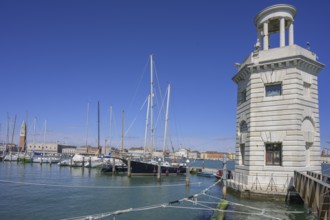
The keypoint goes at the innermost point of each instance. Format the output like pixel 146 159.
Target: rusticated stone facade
pixel 277 115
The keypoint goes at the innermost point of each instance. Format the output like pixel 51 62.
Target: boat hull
pixel 148 169
pixel 118 169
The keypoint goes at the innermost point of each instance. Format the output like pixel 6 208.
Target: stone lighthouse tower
pixel 277 116
pixel 22 137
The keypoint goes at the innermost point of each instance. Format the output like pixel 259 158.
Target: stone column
pixel 291 34
pixel 282 32
pixel 266 43
pixel 260 36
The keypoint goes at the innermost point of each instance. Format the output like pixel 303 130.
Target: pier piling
pixel 187 174
pixel 129 167
pixel 224 177
pixel 113 165
pixel 158 171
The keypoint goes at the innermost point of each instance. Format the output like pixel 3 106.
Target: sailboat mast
pixel 151 104
pixel 110 137
pixel 45 133
pixel 146 130
pixel 98 127
pixel 12 135
pixel 87 124
pixel 166 117
pixel 34 130
pixel 7 132
pixel 122 132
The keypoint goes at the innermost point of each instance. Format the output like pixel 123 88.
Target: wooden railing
pixel 314 189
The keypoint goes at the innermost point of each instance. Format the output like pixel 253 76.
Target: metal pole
pixel 224 177
pixel 151 105
pixel 122 133
pixel 187 173
pixel 110 138
pixel 98 127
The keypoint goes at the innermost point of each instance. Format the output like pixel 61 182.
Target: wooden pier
pixel 314 189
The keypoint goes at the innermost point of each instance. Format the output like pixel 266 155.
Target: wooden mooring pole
pixel 129 167
pixel 113 165
pixel 187 173
pixel 158 171
pixel 224 178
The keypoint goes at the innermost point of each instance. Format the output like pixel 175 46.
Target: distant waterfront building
pixel 136 151
pixel 212 155
pixel 277 128
pixel 87 150
pixel 49 148
pixel 182 152
pixel 22 137
pixel 194 155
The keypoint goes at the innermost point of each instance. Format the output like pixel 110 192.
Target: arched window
pixel 307 125
pixel 243 127
pixel 307 128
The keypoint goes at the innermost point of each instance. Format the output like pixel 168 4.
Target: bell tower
pixel 22 137
pixel 277 114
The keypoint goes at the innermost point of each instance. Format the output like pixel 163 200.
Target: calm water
pixel 33 191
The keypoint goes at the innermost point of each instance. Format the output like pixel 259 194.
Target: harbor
pixel 169 142
pixel 54 192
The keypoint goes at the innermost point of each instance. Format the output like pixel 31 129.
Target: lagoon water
pixel 34 191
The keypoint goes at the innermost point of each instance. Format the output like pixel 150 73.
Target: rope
pixel 132 123
pixel 139 83
pixel 251 207
pixel 190 199
pixel 221 210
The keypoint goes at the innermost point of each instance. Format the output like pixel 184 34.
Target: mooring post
pixel 129 167
pixel 187 173
pixel 113 165
pixel 90 161
pixel 159 170
pixel 71 156
pixel 83 162
pixel 224 177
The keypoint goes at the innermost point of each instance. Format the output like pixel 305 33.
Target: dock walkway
pixel 314 189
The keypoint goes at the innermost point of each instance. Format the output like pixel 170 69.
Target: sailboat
pixel 12 155
pixel 149 167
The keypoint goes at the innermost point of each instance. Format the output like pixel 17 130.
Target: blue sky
pixel 57 56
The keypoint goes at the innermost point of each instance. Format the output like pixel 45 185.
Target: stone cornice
pixel 298 61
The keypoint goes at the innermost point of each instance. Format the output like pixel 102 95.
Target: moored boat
pixel 118 168
pixel 146 168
